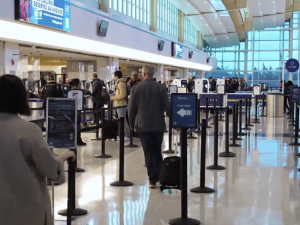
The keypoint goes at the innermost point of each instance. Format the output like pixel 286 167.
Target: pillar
pixel 200 41
pixel 153 26
pixel 9 58
pixel 159 75
pixel 104 5
pixel 180 26
pixel 113 65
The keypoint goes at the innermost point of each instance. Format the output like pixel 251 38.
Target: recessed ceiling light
pixel 205 2
pixel 210 31
pixel 215 38
pixel 220 23
pixel 205 24
pixel 226 37
pixel 261 21
pixel 274 10
pixel 223 30
pixel 259 12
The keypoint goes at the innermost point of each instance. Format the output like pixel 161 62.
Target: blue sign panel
pixel 211 98
pixel 184 110
pixel 50 13
pixel 292 65
pixel 294 91
pixel 177 50
pixel 233 98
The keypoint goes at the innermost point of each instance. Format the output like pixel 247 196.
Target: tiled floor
pixel 259 187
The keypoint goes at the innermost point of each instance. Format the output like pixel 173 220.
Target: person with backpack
pixel 51 90
pixel 121 99
pixel 97 87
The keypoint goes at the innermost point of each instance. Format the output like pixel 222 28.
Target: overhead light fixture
pixel 259 12
pixel 223 30
pixel 226 37
pixel 220 23
pixel 205 24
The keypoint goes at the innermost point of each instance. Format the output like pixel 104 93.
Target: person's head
pixel 94 76
pixel 154 78
pixel 193 78
pixel 50 78
pixel 134 76
pixel 13 96
pixel 75 82
pixel 289 83
pixel 128 80
pixel 68 80
pixel 148 72
pixel 117 75
pixel 210 78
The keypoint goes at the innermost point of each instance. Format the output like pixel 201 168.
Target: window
pixel 190 32
pixel 137 9
pixel 167 17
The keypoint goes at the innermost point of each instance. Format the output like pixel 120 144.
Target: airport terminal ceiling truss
pixel 224 23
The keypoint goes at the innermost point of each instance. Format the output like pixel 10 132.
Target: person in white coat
pixel 25 161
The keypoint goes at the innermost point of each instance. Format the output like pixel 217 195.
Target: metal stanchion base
pixel 208 126
pixel 242 134
pixel 215 167
pixel 168 151
pixel 49 183
pixel 191 137
pixel 202 190
pixel 186 221
pixel 131 146
pixel 235 145
pixel 79 170
pixel 96 139
pixel 297 155
pixel 237 139
pixel 250 125
pixel 197 132
pixel 246 128
pixel 263 116
pixel 227 154
pixel 294 144
pixel 254 121
pixel 178 144
pixel 75 212
pixel 103 156
pixel 123 183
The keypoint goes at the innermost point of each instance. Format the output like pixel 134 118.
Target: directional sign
pixel 292 65
pixel 294 91
pixel 184 110
pixel 77 94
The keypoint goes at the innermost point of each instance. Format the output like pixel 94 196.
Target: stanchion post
pixel 71 207
pixel 77 170
pixel 227 153
pixel 170 150
pixel 121 182
pixel 296 137
pixel 241 133
pixel 256 110
pixel 184 184
pixel 220 105
pixel 234 128
pixel 97 129
pixel 215 106
pixel 131 144
pixel 216 146
pixel 202 188
pixel 103 155
pixel 292 112
pixel 263 106
pixel 249 112
pixel 236 123
pixel 198 131
pixel 246 116
pixel 206 115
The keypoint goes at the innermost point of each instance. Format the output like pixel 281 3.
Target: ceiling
pixel 224 23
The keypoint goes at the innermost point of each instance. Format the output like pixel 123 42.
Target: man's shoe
pixel 152 185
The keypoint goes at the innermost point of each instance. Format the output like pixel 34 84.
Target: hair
pixel 95 75
pixel 13 96
pixel 154 79
pixel 193 78
pixel 128 79
pixel 76 82
pixel 149 70
pixel 118 74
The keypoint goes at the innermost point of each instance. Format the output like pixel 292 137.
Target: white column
pixel 9 58
pixel 104 5
pixel 102 69
pixel 159 75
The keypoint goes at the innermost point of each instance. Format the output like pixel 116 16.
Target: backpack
pixel 170 173
pixel 53 91
pixel 104 94
pixel 110 128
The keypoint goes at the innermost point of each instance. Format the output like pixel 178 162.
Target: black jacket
pixel 97 91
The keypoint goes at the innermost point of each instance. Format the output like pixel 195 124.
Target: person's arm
pixel 123 92
pixel 94 89
pixel 45 163
pixel 166 102
pixel 132 108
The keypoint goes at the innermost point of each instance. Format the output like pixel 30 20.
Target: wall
pixel 56 69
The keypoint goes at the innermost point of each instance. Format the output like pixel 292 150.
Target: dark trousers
pixel 151 143
pixel 96 106
pixel 79 140
pixel 286 104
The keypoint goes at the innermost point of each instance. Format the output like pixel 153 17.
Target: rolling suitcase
pixel 170 173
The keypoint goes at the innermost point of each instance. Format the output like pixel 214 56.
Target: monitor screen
pixel 191 54
pixel 161 45
pixel 177 50
pixel 103 28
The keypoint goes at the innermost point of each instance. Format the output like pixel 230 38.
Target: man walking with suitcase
pixel 147 104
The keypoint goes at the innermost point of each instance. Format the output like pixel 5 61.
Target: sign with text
pixel 77 94
pixel 184 110
pixel 61 119
pixel 211 100
pixel 50 13
pixel 294 90
pixel 292 65
pixel 177 50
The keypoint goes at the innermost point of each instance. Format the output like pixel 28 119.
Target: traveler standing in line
pixel 25 161
pixel 97 87
pixel 75 85
pixel 191 85
pixel 121 99
pixel 147 104
pixel 51 90
pixel 212 84
pixel 134 78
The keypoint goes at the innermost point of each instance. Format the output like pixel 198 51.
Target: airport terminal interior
pixel 230 72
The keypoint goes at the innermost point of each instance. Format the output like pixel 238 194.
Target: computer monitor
pixel 103 28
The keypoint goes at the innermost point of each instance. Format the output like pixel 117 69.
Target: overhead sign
pixel 292 65
pixel 184 110
pixel 78 95
pixel 210 98
pixel 61 120
pixel 50 13
pixel 177 50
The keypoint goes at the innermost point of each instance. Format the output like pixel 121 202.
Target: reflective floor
pixel 259 187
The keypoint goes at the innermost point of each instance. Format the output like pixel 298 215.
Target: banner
pixel 50 13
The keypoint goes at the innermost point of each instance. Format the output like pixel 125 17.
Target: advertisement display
pixel 50 13
pixel 61 120
pixel 177 50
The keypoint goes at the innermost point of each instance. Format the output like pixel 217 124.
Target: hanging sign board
pixel 61 123
pixel 77 94
pixel 292 65
pixel 256 90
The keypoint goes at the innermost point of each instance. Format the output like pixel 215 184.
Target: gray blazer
pixel 147 103
pixel 25 162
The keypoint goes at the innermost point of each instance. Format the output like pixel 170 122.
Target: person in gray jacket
pixel 25 161
pixel 147 103
pixel 97 94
